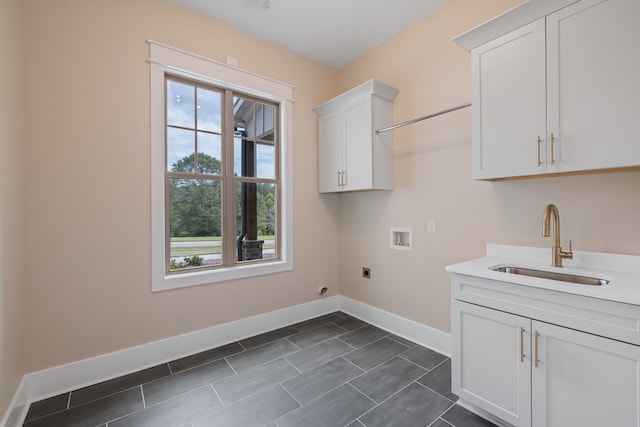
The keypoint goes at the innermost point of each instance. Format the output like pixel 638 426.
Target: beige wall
pixel 433 180
pixel 11 200
pixel 88 213
pixel 87 182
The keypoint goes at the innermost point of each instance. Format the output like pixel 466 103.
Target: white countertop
pixel 622 271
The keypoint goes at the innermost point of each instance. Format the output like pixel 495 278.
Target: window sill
pixel 166 282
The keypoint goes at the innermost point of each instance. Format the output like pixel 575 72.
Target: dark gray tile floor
pixel 334 370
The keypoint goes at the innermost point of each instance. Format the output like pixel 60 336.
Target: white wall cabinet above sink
pixel 351 155
pixel 559 94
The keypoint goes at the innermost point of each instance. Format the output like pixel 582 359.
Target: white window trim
pixel 162 59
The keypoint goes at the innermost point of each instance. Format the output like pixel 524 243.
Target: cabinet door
pixel 358 163
pixel 488 369
pixel 509 105
pixel 584 380
pixel 593 85
pixel 330 151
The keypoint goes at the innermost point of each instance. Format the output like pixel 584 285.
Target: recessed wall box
pixel 401 239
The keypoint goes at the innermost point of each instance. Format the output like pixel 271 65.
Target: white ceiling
pixel 331 32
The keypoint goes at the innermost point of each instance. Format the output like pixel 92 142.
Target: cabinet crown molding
pixel 508 21
pixel 372 87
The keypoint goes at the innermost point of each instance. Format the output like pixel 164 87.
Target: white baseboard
pixel 61 379
pixel 49 382
pixel 403 327
pixel 17 409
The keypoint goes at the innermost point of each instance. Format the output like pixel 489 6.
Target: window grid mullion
pixel 229 198
pixel 196 151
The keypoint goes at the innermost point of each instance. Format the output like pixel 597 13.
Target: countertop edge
pixel 624 285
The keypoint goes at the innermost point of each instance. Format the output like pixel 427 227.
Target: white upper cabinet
pixel 352 156
pixel 509 104
pixel 593 85
pixel 560 92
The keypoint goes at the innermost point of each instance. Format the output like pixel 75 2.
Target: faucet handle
pixel 568 255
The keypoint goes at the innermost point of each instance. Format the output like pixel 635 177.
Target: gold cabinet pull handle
pixel 539 143
pixel 553 140
pixel 537 359
pixel 521 344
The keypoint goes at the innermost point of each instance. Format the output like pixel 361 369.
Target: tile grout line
pixel 293 397
pixel 322 395
pixel 293 344
pixel 217 395
pixel 144 408
pixel 230 366
pixel 144 401
pixel 441 395
pixel 292 365
pixel 364 371
pixel 253 393
pixel 173 397
pixel 54 412
pixel 200 364
pixel 393 395
pixel 384 361
pixel 268 341
pixel 101 397
pixel 441 419
pixel 440 364
pixel 344 332
pixel 375 405
pixel 317 343
pixel 448 409
pixel 430 389
pixel 350 345
pixel 417 364
pixel 282 356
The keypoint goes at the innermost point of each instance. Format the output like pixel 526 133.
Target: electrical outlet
pixel 366 273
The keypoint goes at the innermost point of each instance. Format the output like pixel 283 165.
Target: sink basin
pixel 553 275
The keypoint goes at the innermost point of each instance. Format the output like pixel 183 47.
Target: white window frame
pixel 166 59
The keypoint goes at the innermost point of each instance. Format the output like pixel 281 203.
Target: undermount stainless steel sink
pixel 553 275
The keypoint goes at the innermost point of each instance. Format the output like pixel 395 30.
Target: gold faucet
pixel 556 250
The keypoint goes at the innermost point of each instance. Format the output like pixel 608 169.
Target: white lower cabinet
pixel 487 368
pixel 584 380
pixel 532 373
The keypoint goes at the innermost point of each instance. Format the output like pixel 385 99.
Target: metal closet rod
pixel 419 119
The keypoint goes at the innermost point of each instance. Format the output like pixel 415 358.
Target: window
pixel 219 212
pixel 221 192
